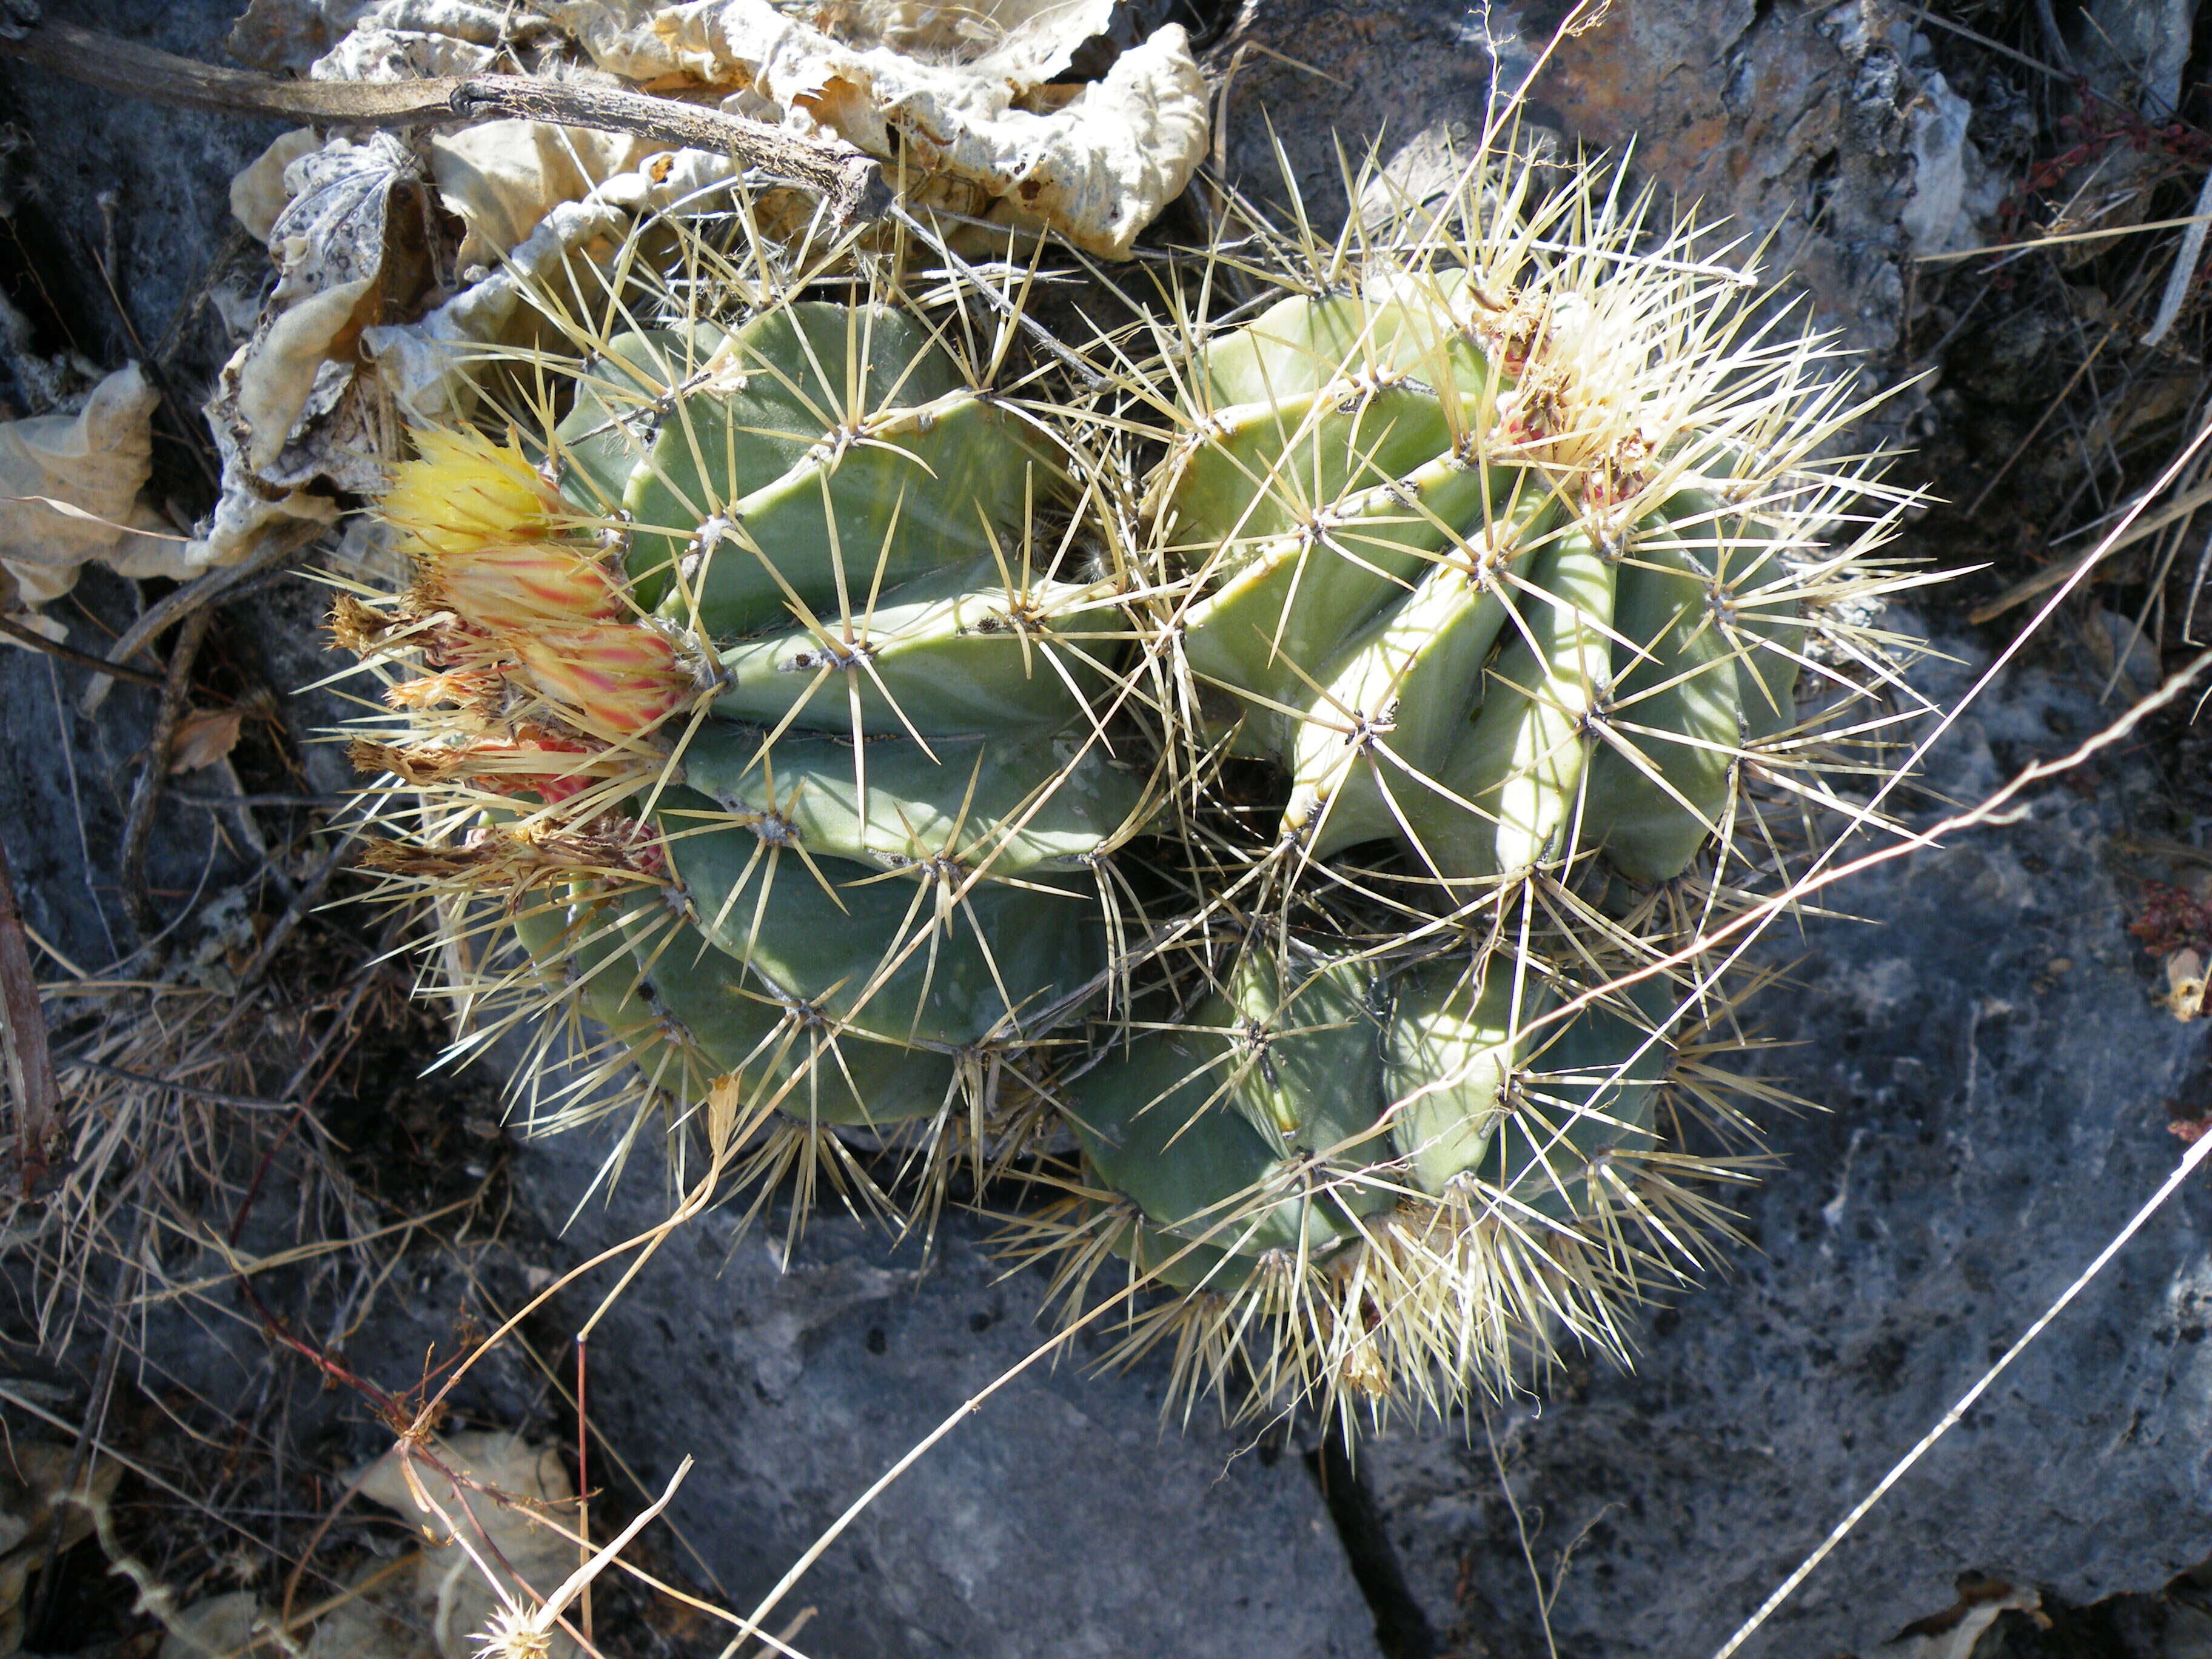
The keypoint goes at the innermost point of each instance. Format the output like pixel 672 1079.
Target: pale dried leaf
pixel 258 194
pixel 1027 41
pixel 285 36
pixel 68 493
pixel 337 224
pixel 1959 1629
pixel 1096 164
pixel 242 519
pixel 374 54
pixel 360 1630
pixel 485 22
pixel 501 178
pixel 221 1627
pixel 2185 984
pixel 428 366
pixel 449 1587
pixel 225 1626
pixel 276 380
pixel 289 410
pixel 97 459
pixel 203 737
pixel 32 1476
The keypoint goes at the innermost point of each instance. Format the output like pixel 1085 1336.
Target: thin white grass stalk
pixel 540 1624
pixel 1520 1528
pixel 2196 1155
pixel 2010 251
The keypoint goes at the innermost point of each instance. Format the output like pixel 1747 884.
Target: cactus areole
pixel 1270 782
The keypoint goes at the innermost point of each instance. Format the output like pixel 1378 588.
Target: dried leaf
pixel 203 737
pixel 1097 164
pixel 409 40
pixel 373 54
pixel 501 178
pixel 218 1628
pixel 32 1475
pixel 285 36
pixel 258 194
pixel 1029 42
pixel 225 1626
pixel 336 228
pixel 427 367
pixel 278 379
pixel 68 493
pixel 290 410
pixel 1956 1632
pixel 449 1587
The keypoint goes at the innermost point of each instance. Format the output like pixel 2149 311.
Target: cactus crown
pixel 1271 761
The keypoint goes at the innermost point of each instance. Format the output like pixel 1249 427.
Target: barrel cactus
pixel 1292 745
pixel 760 697
pixel 1491 554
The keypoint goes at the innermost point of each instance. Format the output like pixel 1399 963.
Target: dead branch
pixel 849 184
pixel 138 829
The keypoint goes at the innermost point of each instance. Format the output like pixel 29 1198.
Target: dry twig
pixel 30 1070
pixel 850 184
pixel 139 829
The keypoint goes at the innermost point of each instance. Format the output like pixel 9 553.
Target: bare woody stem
pixel 28 1070
pixel 849 184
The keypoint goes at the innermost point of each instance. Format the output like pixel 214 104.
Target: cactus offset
pixel 1490 557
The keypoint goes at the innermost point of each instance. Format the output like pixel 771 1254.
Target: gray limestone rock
pixel 1064 1521
pixel 1808 124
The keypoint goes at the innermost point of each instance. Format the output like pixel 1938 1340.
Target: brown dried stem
pixel 849 184
pixel 30 1070
pixel 138 829
pixel 33 640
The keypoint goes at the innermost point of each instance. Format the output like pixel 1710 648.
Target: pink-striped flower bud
pixel 605 677
pixel 514 586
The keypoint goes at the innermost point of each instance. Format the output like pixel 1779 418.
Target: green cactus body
pixel 808 1070
pixel 1449 1055
pixel 952 651
pixel 813 453
pixel 1587 1099
pixel 1249 1128
pixel 1485 571
pixel 852 685
pixel 686 1012
pixel 1431 644
pixel 866 948
pixel 828 504
pixel 1031 799
pixel 1660 789
pixel 1233 1136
